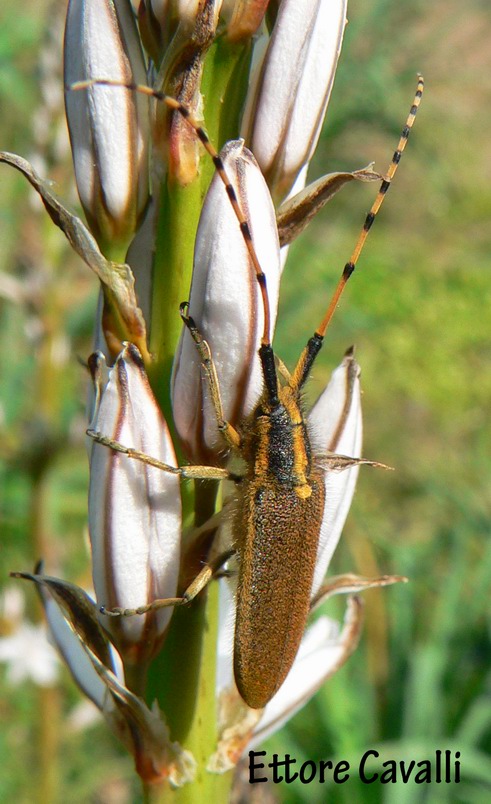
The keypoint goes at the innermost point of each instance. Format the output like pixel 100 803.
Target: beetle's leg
pixel 202 579
pixel 229 432
pixel 186 472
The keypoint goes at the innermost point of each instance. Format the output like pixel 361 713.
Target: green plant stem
pixel 182 677
pixel 173 265
pixel 183 680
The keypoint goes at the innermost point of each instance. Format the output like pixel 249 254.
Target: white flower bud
pixel 288 97
pixel 243 19
pixel 134 509
pixel 225 303
pixel 160 8
pixel 183 12
pixel 189 9
pixel 109 127
pixel 336 426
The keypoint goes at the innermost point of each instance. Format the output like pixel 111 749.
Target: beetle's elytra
pixel 278 518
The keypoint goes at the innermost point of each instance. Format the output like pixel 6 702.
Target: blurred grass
pixel 417 310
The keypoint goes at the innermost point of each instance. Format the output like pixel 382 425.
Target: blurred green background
pixel 417 311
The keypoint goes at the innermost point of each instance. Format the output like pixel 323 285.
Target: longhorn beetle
pixel 281 497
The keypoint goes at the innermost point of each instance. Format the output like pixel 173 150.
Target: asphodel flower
pixel 134 509
pixel 109 130
pixel 335 424
pixel 97 669
pixel 290 88
pixel 172 12
pixel 243 19
pixel 225 302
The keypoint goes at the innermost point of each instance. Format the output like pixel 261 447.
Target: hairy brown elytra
pixel 278 519
pixel 281 496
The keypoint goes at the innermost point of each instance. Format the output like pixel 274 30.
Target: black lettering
pixel 341 768
pixel 256 766
pixel 325 764
pixel 424 775
pixel 306 765
pixel 367 779
pixel 390 774
pixel 406 774
pixel 278 763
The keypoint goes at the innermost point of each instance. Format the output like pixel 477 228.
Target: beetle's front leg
pixel 186 472
pixel 229 432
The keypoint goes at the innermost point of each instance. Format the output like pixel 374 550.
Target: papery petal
pixel 73 624
pixel 142 730
pixel 285 111
pixel 336 426
pixel 109 127
pixel 134 509
pixel 323 650
pixel 349 584
pixel 73 652
pixel 302 205
pixel 226 305
pixel 117 279
pixel 145 733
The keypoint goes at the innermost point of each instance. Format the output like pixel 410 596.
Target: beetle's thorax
pixel 276 442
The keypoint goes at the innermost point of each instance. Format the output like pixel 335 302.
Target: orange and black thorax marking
pixel 277 448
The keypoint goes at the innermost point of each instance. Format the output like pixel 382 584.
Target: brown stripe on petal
pixel 114 459
pixel 243 376
pixel 352 373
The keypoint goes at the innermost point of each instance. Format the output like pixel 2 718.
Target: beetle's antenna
pixel 313 347
pixel 351 264
pixel 266 353
pixel 201 134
